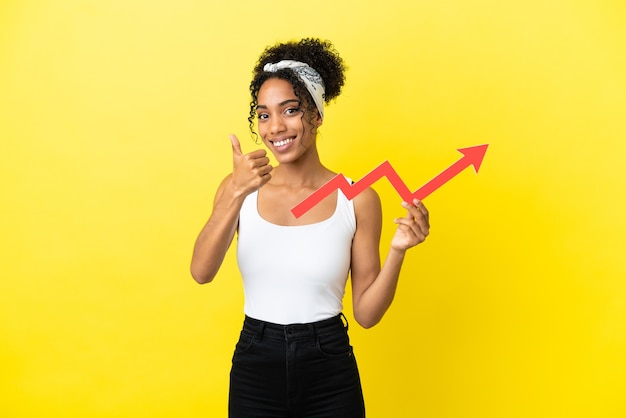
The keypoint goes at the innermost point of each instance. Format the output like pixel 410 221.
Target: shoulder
pixel 367 206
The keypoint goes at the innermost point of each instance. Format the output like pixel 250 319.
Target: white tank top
pixel 294 274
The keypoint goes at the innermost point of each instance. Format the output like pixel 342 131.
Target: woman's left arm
pixel 373 287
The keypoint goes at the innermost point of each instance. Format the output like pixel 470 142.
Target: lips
pixel 282 142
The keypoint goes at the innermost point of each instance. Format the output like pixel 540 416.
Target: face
pixel 282 124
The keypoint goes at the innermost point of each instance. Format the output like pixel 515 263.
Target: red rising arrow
pixel 471 156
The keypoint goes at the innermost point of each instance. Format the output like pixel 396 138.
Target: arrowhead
pixel 474 155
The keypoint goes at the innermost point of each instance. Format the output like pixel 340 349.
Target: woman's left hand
pixel 413 228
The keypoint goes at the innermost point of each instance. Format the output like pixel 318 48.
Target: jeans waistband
pixel 271 330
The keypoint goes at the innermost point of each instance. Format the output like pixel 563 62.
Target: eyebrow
pixel 279 104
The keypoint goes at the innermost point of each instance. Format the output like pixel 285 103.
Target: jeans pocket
pixel 336 344
pixel 246 340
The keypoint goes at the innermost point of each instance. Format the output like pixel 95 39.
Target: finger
pixel 404 222
pixel 236 146
pixel 415 207
pixel 422 224
pixel 426 215
pixel 418 212
pixel 256 164
pixel 419 205
pixel 263 161
pixel 417 222
pixel 423 227
pixel 258 154
pixel 265 170
pixel 411 229
pixel 413 210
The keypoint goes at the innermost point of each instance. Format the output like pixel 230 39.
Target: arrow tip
pixel 474 155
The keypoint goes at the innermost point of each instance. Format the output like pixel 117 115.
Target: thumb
pixel 236 146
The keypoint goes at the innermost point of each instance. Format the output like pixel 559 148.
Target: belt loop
pixel 313 331
pixel 344 320
pixel 261 330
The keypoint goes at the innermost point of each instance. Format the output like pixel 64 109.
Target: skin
pixel 299 173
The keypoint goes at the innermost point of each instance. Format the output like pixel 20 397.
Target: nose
pixel 277 124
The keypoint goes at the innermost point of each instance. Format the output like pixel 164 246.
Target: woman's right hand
pixel 250 171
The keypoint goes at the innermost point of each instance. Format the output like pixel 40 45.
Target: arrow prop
pixel 471 156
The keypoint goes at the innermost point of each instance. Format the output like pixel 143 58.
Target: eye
pixel 292 110
pixel 262 116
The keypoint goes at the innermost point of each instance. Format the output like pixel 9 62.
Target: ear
pixel 318 120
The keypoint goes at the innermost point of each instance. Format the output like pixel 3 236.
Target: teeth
pixel 283 142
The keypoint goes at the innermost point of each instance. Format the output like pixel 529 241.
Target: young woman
pixel 293 358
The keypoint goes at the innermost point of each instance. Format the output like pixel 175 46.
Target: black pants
pixel 295 371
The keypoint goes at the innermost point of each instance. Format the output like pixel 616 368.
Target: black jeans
pixel 295 371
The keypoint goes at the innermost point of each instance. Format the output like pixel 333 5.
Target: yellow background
pixel 114 123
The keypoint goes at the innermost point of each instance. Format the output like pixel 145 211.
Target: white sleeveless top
pixel 294 274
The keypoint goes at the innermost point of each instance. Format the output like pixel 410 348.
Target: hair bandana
pixel 311 79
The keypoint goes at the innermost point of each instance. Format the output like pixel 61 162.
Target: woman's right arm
pixel 250 172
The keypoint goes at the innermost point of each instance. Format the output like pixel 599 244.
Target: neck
pixel 305 172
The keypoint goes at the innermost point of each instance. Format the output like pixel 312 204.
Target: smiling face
pixel 283 125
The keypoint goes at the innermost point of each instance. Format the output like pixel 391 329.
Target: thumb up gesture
pixel 250 171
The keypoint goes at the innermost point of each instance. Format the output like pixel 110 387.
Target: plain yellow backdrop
pixel 114 123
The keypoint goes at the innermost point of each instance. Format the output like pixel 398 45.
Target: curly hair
pixel 318 54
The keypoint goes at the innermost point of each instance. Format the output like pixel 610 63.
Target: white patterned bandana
pixel 311 79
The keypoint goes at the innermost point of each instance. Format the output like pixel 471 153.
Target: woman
pixel 293 358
